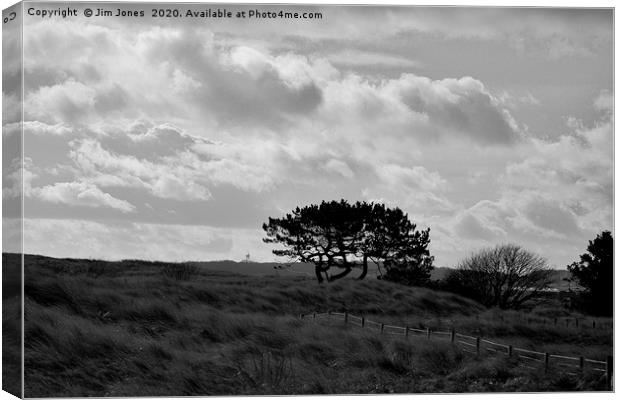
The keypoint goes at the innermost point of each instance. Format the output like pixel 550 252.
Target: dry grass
pixel 130 328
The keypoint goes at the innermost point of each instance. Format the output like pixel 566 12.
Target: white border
pixel 484 3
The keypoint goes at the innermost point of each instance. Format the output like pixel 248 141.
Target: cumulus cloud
pixel 65 102
pixel 43 129
pixel 575 170
pixel 462 106
pixel 81 194
pixel 409 177
pixel 339 167
pixel 167 180
pixel 470 226
pixel 604 101
pixel 17 178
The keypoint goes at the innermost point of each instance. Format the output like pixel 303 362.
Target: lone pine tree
pixel 343 236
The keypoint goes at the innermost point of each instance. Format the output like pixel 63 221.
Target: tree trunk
pixel 364 268
pixel 340 275
pixel 318 269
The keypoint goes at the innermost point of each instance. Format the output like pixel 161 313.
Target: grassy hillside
pixel 11 324
pixel 136 328
pixel 558 277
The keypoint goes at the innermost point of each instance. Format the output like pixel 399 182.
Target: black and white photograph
pixel 226 199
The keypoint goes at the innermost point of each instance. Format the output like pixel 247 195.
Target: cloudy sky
pixel 176 139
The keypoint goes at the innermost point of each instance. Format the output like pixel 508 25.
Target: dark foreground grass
pixel 144 329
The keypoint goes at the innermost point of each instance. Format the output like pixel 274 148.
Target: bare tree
pixel 505 276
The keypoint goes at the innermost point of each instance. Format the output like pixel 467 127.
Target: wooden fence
pixel 560 322
pixel 476 344
pixel 573 322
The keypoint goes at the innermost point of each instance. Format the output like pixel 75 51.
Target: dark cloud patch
pixel 236 97
pixel 463 107
pixel 471 227
pixel 38 76
pixel 548 215
pixel 234 94
pixel 11 82
pixel 146 141
pixel 111 99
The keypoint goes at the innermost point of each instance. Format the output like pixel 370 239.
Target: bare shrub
pixel 505 276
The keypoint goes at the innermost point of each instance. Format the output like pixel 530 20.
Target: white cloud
pixel 411 178
pixel 457 107
pixel 472 227
pixel 514 101
pixel 17 178
pixel 81 194
pixel 163 179
pixel 61 103
pixel 604 101
pixel 41 128
pixel 339 167
pixel 115 241
pixel 184 83
pixel 171 187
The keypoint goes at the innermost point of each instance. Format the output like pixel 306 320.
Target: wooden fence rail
pixel 474 345
pixel 564 322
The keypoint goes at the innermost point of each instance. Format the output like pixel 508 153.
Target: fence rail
pixel 473 344
pixel 564 322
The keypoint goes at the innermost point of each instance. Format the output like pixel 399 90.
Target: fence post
pixel 382 327
pixel 609 372
pixel 593 324
pixel 452 334
pixel 329 315
pixel 301 316
pixel 546 362
pixel 428 333
pixel 478 346
pixel 509 350
pixel 313 315
pixel 363 322
pixel 581 363
pixel 346 317
pixel 406 330
pixel 576 322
